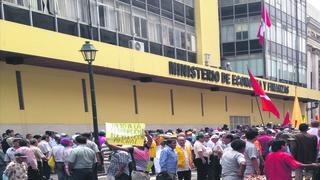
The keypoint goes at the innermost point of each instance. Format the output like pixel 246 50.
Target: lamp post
pixel 89 54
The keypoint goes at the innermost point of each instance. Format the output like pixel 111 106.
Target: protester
pixel 141 158
pixel 37 153
pixel 67 143
pixel 264 138
pixel 252 154
pixel 5 146
pixel 215 167
pixel 201 158
pixel 33 171
pixel 233 161
pixel 57 152
pixel 2 162
pixel 81 160
pixel 184 155
pixel 14 145
pixel 279 165
pixel 119 166
pixel 46 150
pixel 305 151
pixel 168 159
pixel 17 169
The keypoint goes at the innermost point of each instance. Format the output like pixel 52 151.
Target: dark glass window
pixel 167 14
pixel 108 36
pixel 155 3
pixel 272 11
pixel 273 49
pixel 284 52
pixel 43 21
pixel 255 46
pixel 85 31
pixel 168 51
pixel 17 15
pixel 192 57
pixel 67 27
pixel 139 3
pixel 154 9
pixel 227 12
pixel 189 12
pixel 166 5
pixel 242 47
pixel 124 40
pixel 95 34
pixel 279 51
pixel 125 1
pixel 178 8
pixel 228 49
pixel 254 9
pixel 241 10
pixel 181 54
pixel 155 48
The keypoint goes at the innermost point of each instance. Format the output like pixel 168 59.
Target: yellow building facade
pixel 50 89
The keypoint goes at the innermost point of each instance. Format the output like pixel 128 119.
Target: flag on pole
pixel 265 22
pixel 286 120
pixel 267 104
pixel 296 113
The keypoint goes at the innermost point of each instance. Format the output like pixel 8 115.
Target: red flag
pixel 286 120
pixel 267 104
pixel 265 22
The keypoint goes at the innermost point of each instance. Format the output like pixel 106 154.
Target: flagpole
pixel 260 111
pixel 264 42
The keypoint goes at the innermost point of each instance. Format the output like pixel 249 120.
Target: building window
pixel 241 10
pixel 154 28
pixel 67 9
pixel 124 18
pixel 167 32
pixel 242 31
pixel 107 15
pixel 180 36
pixel 227 33
pixel 191 40
pixel 227 12
pixel 239 120
pixel 140 23
pixel 228 49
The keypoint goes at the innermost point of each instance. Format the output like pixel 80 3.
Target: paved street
pixel 194 177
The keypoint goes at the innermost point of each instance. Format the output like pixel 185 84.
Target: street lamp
pixel 89 54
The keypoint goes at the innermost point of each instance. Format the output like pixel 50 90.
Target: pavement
pixel 102 177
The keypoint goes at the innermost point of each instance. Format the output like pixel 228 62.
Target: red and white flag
pixel 265 22
pixel 267 104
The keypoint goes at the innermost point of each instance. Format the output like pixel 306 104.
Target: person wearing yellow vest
pixel 185 163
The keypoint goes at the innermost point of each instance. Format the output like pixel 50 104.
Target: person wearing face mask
pixel 279 165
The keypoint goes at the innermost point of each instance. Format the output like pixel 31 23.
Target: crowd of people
pixel 256 152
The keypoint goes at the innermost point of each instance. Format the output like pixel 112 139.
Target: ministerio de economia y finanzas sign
pixel 125 133
pixel 216 76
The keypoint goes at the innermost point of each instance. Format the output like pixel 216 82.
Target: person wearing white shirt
pixel 46 150
pixel 201 157
pixel 57 152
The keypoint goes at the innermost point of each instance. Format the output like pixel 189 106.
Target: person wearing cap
pixel 17 169
pixel 185 162
pixel 33 171
pixel 68 146
pixel 214 171
pixel 14 143
pixel 201 157
pixel 57 152
pixel 102 137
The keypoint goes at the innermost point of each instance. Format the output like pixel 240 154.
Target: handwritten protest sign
pixel 125 133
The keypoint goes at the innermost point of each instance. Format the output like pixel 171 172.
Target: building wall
pixel 53 99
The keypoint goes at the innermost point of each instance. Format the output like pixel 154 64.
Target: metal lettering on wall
pixel 194 72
